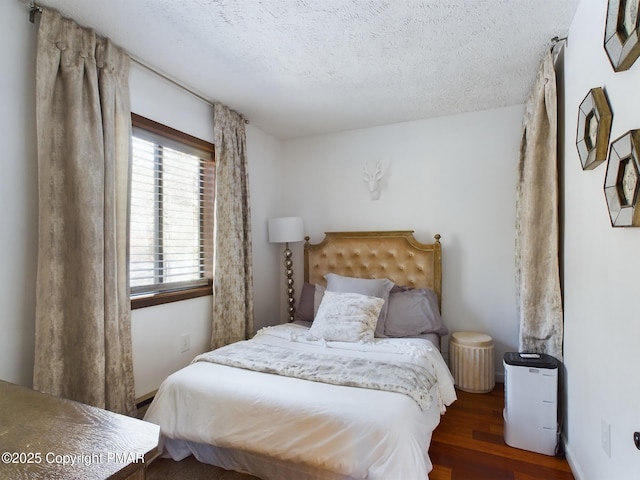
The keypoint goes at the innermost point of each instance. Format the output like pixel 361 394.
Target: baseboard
pixel 147 397
pixel 573 465
pixel 143 402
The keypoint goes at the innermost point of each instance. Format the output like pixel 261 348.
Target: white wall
pixel 454 176
pixel 602 324
pixel 265 181
pixel 18 194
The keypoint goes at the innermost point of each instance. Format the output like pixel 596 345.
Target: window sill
pixel 168 297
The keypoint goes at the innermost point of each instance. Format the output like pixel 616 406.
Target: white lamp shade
pixel 286 229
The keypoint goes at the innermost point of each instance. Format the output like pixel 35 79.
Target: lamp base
pixel 288 269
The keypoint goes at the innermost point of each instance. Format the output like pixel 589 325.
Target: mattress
pixel 276 426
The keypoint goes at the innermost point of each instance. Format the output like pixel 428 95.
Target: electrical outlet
pixel 185 343
pixel 605 434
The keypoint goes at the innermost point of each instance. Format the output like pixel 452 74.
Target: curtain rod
pixel 34 8
pixel 558 39
pixel 177 83
pixel 171 80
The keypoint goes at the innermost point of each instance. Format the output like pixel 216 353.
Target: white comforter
pixel 353 432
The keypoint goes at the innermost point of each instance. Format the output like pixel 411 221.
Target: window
pixel 171 215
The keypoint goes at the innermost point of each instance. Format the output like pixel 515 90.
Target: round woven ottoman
pixel 471 359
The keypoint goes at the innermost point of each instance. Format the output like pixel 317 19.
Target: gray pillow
pixel 305 310
pixel 317 299
pixel 310 299
pixel 373 287
pixel 413 312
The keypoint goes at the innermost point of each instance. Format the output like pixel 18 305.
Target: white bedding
pixel 349 432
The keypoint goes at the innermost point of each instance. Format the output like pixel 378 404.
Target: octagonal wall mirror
pixel 622 180
pixel 594 128
pixel 621 33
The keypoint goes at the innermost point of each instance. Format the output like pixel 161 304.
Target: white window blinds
pixel 166 235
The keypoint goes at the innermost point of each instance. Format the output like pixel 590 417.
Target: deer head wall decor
pixel 372 179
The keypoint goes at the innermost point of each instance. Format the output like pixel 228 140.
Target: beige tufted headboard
pixel 395 255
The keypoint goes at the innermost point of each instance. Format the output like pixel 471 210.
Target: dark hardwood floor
pixel 469 445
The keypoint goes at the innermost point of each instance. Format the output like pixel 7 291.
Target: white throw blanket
pixel 411 378
pixel 399 351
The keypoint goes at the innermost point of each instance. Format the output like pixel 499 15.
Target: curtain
pixel 233 277
pixel 83 329
pixel 539 301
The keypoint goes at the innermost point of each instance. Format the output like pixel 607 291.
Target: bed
pixel 336 398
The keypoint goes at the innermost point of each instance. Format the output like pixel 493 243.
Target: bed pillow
pixel 310 298
pixel 373 287
pixel 317 298
pixel 413 312
pixel 305 310
pixel 346 317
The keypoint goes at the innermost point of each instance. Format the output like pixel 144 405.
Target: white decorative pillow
pixel 373 287
pixel 346 317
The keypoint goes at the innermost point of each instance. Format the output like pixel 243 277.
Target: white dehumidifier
pixel 531 402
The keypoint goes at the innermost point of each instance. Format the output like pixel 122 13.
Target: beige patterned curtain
pixel 233 277
pixel 83 334
pixel 539 301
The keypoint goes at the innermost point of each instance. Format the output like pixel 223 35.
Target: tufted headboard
pixel 395 255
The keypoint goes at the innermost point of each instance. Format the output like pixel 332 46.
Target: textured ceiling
pixel 304 67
